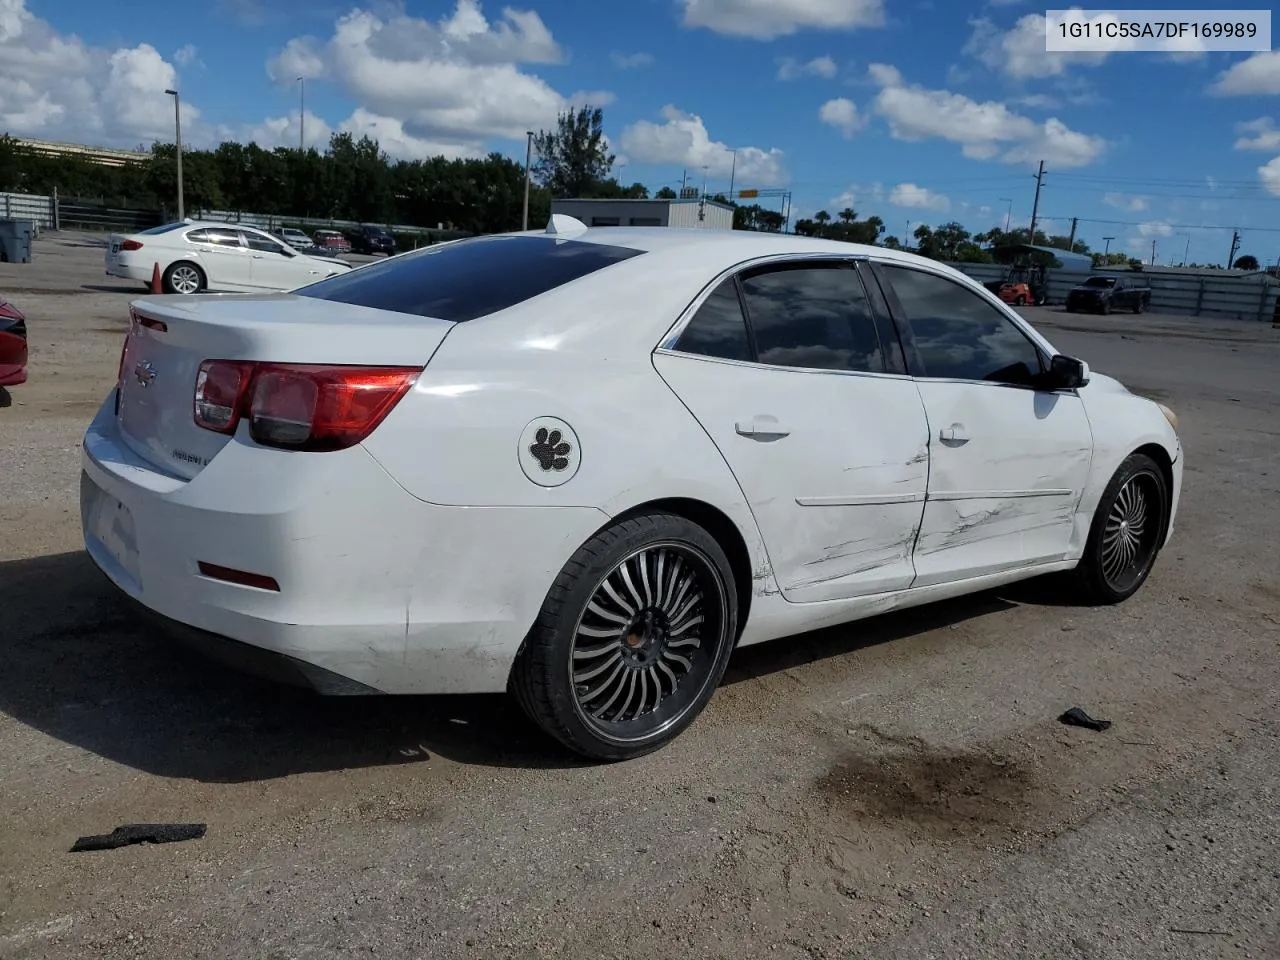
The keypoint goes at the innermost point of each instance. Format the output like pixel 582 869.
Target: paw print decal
pixel 549 452
pixel 550 449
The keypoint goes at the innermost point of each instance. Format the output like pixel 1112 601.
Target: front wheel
pixel 1126 533
pixel 1139 306
pixel 1019 301
pixel 632 640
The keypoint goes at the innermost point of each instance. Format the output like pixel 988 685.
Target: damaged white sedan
pixel 584 465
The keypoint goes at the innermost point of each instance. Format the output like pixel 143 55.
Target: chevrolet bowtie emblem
pixel 144 371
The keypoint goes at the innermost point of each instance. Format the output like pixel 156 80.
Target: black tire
pixel 644 652
pixel 1019 301
pixel 1139 306
pixel 1105 309
pixel 181 268
pixel 1099 580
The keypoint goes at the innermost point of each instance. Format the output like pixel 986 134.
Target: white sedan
pixel 585 465
pixel 195 256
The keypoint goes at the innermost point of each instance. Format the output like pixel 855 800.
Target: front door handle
pixel 954 434
pixel 762 427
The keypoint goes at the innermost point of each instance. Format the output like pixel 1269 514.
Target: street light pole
pixel 1106 251
pixel 733 172
pixel 528 160
pixel 177 134
pixel 1187 252
pixel 302 114
pixel 1008 214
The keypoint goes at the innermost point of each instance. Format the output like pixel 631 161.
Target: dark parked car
pixel 13 345
pixel 371 239
pixel 1104 294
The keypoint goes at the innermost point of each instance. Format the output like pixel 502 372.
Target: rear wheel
pixel 1125 536
pixel 632 640
pixel 1019 301
pixel 1139 306
pixel 183 277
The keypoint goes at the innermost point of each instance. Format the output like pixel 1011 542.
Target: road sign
pixel 748 194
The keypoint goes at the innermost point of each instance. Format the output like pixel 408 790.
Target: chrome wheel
pixel 648 641
pixel 184 279
pixel 1130 532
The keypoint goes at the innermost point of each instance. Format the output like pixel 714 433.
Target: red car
pixel 331 240
pixel 13 345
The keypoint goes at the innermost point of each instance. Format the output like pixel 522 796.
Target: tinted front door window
pixel 958 334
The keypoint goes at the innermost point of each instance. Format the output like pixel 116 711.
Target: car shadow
pixel 80 666
pixel 6 398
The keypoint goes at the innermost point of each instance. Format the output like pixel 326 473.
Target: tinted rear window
pixel 470 278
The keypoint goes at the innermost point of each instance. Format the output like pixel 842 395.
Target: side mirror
pixel 1067 373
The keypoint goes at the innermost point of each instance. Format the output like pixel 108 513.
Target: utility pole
pixel 733 172
pixel 177 135
pixel 1186 252
pixel 1035 207
pixel 1153 253
pixel 1106 251
pixel 684 181
pixel 528 160
pixel 1008 213
pixel 1235 245
pixel 302 114
pixel 1071 242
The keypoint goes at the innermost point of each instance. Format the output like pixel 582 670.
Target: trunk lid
pixel 171 336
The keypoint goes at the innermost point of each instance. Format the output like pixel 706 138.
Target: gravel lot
pixel 894 789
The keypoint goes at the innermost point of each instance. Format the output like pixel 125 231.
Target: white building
pixel 693 213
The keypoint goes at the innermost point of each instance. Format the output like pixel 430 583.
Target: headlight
pixel 1169 415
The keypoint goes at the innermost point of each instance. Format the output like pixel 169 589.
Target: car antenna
pixel 561 223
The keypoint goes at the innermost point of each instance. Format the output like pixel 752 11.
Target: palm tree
pixel 847 215
pixel 821 218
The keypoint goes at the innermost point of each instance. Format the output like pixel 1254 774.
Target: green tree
pixel 665 193
pixel 1247 262
pixel 574 157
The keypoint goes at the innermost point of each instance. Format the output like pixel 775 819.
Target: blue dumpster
pixel 15 240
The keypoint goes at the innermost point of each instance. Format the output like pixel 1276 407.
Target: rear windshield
pixel 1100 282
pixel 468 278
pixel 163 228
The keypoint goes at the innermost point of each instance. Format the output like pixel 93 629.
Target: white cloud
pixel 283 132
pixel 1019 52
pixel 921 198
pixel 187 55
pixel 1124 201
pixel 873 192
pixel 1037 101
pixel 1269 174
pixel 57 87
pixel 1155 228
pixel 1260 134
pixel 767 19
pixel 842 114
pixel 450 84
pixel 791 69
pixel 1258 74
pixel 629 61
pixel 985 130
pixel 682 140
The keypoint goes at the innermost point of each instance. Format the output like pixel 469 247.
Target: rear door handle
pixel 954 434
pixel 761 427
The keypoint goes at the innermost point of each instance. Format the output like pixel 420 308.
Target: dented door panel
pixel 839 497
pixel 1008 466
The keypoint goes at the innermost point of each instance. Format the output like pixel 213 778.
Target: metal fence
pixel 26 206
pixel 1251 297
pixel 268 221
pixel 79 213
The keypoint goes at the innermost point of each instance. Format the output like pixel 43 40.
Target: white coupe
pixel 195 256
pixel 585 465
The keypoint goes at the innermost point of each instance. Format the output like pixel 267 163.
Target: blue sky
pixel 918 111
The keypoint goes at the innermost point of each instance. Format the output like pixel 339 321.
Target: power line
pixel 1171 226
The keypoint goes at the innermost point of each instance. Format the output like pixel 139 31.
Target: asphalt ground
pixel 897 788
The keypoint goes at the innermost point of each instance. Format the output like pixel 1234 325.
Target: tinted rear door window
pixel 470 278
pixel 812 316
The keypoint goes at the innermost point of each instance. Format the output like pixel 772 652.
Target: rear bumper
pixel 128 269
pixel 378 591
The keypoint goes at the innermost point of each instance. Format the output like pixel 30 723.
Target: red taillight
pixel 131 245
pixel 312 407
pixel 221 386
pixel 242 578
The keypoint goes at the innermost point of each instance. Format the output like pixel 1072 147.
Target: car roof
pixel 720 249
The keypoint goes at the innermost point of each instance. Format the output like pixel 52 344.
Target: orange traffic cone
pixel 155 279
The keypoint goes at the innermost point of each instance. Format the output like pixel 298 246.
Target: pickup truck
pixel 1104 294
